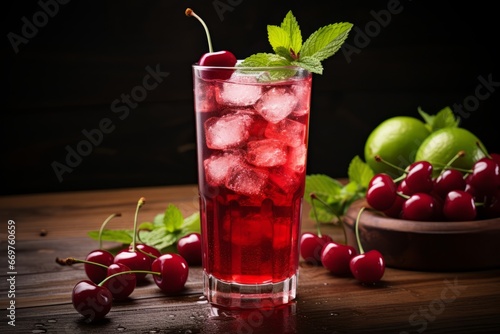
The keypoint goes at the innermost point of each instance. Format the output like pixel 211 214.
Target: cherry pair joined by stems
pixel 170 272
pixel 311 244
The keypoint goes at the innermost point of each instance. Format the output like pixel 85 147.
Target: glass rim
pixel 248 68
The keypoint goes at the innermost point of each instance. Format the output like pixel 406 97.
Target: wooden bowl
pixel 426 246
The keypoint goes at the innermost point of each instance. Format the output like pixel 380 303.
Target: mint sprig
pixel 336 195
pixel 286 42
pixel 445 118
pixel 162 233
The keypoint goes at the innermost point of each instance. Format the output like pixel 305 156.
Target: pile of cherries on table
pixel 454 195
pixel 114 277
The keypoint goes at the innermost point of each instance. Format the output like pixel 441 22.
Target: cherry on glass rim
pixel 214 59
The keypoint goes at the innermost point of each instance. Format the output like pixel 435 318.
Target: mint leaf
pixel 146 226
pixel 163 232
pixel 445 118
pixel 173 218
pixel 329 191
pixel 291 27
pixel 309 63
pixel 286 42
pixel 192 223
pixel 160 238
pixel 265 60
pixel 360 172
pixel 278 38
pixel 120 236
pixel 326 41
pixel 269 60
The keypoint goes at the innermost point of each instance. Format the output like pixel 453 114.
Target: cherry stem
pixel 314 197
pixel 356 229
pixel 459 154
pixel 140 203
pixel 483 149
pixel 190 12
pixel 378 158
pixel 104 224
pixel 128 272
pixel 71 260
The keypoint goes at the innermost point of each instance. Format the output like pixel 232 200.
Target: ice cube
pixel 297 158
pixel 243 91
pixel 246 180
pixel 217 166
pixel 288 131
pixel 205 96
pixel 266 153
pixel 276 104
pixel 286 180
pixel 228 131
pixel 303 94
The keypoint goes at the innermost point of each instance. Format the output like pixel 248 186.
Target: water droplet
pixel 52 321
pixel 39 325
pixel 120 328
pixel 334 314
pixel 38 331
pixel 171 315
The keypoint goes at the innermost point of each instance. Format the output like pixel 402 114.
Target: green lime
pixel 442 145
pixel 395 140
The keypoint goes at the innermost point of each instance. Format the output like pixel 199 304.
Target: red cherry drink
pixel 252 134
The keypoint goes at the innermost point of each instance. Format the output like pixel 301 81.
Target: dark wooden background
pixel 64 79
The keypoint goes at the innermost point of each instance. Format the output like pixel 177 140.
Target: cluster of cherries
pixel 114 277
pixel 342 259
pixel 454 195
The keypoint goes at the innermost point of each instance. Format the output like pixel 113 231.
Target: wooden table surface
pixel 56 225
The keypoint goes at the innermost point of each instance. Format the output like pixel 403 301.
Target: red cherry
pixel 368 267
pixel 135 261
pixel 336 258
pixel 152 251
pixel 485 176
pixel 419 177
pixel 219 59
pixel 448 180
pixel 90 300
pixel 189 247
pixel 173 270
pixel 120 286
pixel 459 206
pixel 381 192
pixel 97 273
pixel 311 246
pixel 419 206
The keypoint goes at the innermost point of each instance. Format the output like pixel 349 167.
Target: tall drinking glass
pixel 252 135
